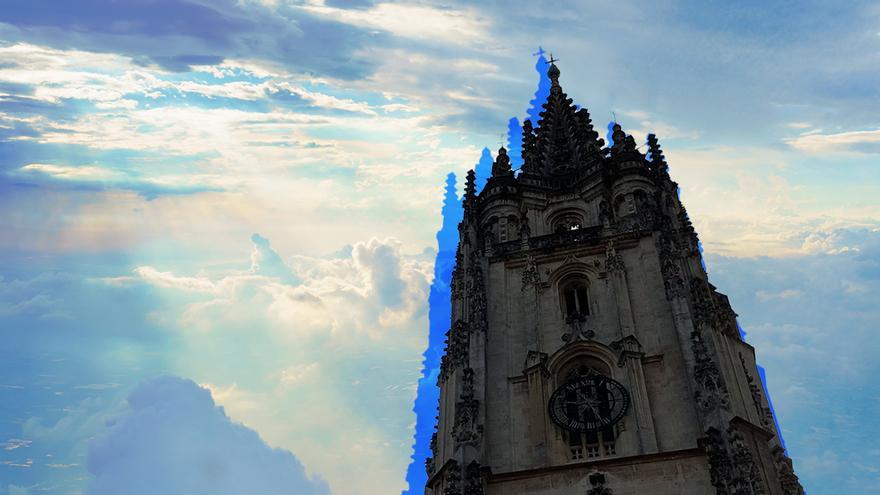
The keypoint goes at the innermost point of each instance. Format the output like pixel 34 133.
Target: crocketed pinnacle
pixel 470 187
pixel 657 161
pixel 501 167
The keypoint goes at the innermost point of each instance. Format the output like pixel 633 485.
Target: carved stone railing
pixel 583 236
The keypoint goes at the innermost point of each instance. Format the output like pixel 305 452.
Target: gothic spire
pixel 565 138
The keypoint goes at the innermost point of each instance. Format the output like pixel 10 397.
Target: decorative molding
pixel 627 347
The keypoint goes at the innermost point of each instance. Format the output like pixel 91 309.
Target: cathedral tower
pixel 588 353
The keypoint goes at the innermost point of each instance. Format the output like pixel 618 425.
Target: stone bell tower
pixel 589 354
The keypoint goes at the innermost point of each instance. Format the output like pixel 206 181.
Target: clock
pixel 588 403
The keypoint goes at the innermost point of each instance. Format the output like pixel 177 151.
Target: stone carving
pixel 628 346
pixel 688 234
pixel 467 383
pixel 711 309
pixel 456 284
pixel 476 294
pixel 585 236
pixel 785 473
pixel 453 479
pixel 530 276
pixel 565 140
pixel 719 461
pixel 597 484
pixel 710 391
pixel 473 480
pixel 764 413
pixel 466 429
pixel 457 349
pixel 746 479
pixel 613 260
pixel 577 331
pixel 669 267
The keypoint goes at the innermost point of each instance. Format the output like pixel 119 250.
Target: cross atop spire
pixel 552 60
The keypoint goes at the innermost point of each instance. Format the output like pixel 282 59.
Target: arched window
pixel 573 295
pixel 568 223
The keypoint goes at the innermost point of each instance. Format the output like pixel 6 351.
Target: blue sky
pixel 245 194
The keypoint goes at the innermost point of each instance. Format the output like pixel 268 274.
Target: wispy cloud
pixel 866 141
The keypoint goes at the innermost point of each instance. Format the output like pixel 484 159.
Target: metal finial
pixel 552 60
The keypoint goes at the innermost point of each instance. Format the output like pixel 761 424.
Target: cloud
pixel 459 26
pixel 866 141
pixel 265 261
pixel 173 439
pixel 199 33
pixel 339 350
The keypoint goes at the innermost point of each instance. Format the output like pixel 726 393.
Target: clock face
pixel 588 403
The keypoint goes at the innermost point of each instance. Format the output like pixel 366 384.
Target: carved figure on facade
pixel 746 479
pixel 613 260
pixel 476 294
pixel 720 465
pixel 530 276
pixel 597 485
pixel 710 391
pixel 711 309
pixel 668 249
pixel 789 481
pixel 466 428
